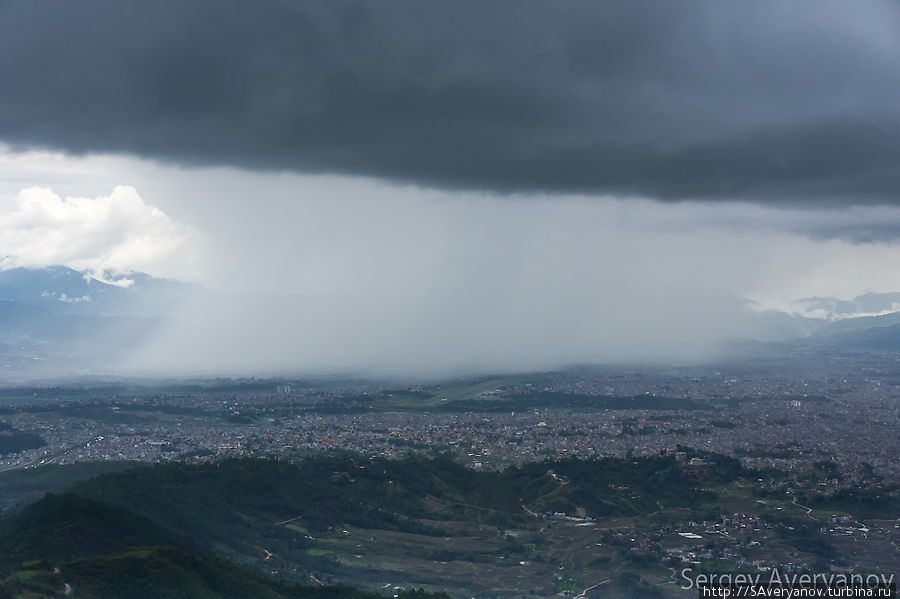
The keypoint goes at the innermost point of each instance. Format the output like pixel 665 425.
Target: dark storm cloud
pixel 674 100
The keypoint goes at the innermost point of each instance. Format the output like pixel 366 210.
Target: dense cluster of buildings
pixel 785 422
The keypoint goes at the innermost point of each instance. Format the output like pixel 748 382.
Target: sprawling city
pixel 797 462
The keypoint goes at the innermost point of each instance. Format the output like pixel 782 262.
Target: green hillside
pixel 68 526
pixel 71 546
pixel 558 526
pixel 269 515
pixel 247 499
pixel 23 485
pixel 161 573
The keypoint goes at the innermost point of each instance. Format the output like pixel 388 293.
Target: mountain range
pixel 866 323
pixel 59 320
pixel 831 308
pixel 62 290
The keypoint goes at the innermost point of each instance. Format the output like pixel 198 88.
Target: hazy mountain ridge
pixel 832 308
pixel 63 290
pixel 57 319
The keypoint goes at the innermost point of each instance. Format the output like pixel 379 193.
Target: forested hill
pixel 70 546
pixel 324 492
pixel 202 523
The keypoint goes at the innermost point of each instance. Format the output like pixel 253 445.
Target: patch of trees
pixel 14 441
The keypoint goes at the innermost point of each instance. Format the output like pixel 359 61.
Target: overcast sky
pixel 419 186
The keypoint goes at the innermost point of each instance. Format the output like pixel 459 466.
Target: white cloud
pixel 118 232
